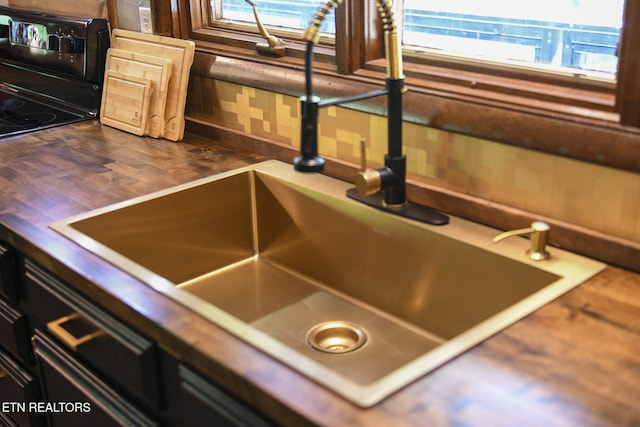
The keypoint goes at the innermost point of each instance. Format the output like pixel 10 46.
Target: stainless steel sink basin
pixel 358 300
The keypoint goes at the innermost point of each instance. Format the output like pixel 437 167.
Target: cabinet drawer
pixel 88 400
pixel 122 356
pixel 17 389
pixel 8 273
pixel 204 403
pixel 14 331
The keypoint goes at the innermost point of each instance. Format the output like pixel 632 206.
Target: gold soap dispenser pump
pixel 539 236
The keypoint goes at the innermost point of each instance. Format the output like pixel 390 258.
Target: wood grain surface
pixel 125 102
pixel 157 70
pixel 575 362
pixel 180 53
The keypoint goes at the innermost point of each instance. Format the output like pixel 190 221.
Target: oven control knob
pixel 68 44
pixel 54 42
pixel 63 44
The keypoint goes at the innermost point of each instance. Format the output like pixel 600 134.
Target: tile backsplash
pixel 584 194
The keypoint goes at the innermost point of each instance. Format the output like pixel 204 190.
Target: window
pixel 282 14
pixel 561 35
pixel 557 34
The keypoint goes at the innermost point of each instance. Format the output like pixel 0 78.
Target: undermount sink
pixel 356 299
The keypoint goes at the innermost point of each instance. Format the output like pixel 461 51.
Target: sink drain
pixel 336 337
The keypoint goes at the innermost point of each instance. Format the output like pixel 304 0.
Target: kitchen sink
pixel 356 299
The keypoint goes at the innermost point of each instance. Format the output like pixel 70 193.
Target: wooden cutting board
pixel 157 70
pixel 180 53
pixel 125 102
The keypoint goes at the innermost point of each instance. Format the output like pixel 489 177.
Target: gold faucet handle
pixel 363 155
pixel 368 181
pixel 539 235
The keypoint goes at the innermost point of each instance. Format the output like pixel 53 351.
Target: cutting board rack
pixel 165 62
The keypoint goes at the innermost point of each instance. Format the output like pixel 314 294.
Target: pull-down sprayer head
pixel 392 46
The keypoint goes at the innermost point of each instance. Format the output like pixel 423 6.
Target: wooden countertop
pixel 575 362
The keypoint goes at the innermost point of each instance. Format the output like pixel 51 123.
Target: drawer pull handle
pixel 57 329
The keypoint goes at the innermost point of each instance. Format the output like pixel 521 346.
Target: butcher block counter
pixel 575 362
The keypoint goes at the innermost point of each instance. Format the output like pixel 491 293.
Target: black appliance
pixel 51 69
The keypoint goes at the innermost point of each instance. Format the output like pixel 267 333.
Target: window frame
pixel 487 79
pixel 594 122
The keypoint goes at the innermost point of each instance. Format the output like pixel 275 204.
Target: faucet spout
pixel 392 176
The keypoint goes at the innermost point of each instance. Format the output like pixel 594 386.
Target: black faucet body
pixel 393 174
pixel 395 161
pixel 309 160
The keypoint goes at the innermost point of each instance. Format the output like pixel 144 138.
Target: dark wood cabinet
pixel 18 390
pixel 8 273
pixel 204 403
pixel 78 397
pixel 14 331
pixel 99 340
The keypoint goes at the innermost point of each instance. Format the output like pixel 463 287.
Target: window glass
pixel 561 34
pixel 286 14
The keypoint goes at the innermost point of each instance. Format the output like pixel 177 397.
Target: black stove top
pixel 20 115
pixel 55 81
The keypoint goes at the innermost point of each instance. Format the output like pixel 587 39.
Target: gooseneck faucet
pixel 383 188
